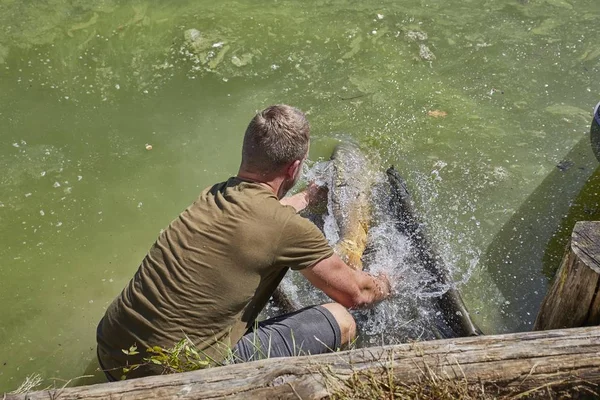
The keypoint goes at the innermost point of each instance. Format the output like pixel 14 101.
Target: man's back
pixel 209 274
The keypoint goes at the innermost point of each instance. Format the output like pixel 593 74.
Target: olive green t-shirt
pixel 209 274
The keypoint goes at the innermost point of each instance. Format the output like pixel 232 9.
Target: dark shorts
pixel 312 330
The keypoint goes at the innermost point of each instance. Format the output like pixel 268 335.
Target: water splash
pixel 410 313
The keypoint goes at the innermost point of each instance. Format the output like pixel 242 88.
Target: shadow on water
pixel 525 254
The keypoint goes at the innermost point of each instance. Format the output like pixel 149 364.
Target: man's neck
pixel 271 183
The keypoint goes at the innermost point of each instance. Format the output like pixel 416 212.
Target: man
pixel 213 269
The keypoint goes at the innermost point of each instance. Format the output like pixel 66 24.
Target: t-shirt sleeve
pixel 301 244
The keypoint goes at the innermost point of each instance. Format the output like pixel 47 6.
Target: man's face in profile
pixel 288 184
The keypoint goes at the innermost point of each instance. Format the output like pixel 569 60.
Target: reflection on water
pixel 475 102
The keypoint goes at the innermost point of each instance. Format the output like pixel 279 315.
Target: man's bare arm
pixel 345 285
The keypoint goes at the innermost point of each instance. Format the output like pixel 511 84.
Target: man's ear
pixel 292 169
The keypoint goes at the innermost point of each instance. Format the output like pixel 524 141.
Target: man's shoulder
pixel 236 191
pixel 239 198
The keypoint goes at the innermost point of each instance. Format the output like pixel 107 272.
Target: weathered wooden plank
pixel 586 243
pixel 574 297
pixel 522 361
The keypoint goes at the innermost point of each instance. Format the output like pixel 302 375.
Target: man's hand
pixel 384 286
pixel 310 196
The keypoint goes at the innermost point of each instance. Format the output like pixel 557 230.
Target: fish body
pixel 284 301
pixel 349 191
pixel 349 196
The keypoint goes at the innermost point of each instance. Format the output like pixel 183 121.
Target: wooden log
pixel 512 362
pixel 574 297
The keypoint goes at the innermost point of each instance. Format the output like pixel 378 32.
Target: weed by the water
pixel 31 382
pixel 383 384
pixel 34 381
pixel 183 357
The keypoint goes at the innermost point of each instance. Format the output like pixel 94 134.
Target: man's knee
pixel 345 320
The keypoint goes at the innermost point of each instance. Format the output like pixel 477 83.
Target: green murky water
pixel 84 86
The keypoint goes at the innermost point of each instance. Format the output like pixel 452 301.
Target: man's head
pixel 276 142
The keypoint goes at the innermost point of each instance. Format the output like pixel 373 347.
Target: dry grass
pixel 31 382
pixel 430 385
pixel 34 381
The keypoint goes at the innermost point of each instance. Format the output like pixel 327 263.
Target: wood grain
pixel 573 300
pixel 519 361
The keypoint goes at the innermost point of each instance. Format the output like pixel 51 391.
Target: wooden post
pixel 526 362
pixel 574 298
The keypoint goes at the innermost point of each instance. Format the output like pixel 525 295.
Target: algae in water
pixel 546 27
pixel 83 25
pixel 560 3
pixel 354 48
pixel 242 60
pixel 3 54
pixel 569 111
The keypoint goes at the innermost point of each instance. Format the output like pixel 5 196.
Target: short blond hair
pixel 275 137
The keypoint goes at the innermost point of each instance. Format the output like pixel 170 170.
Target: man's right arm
pixel 345 285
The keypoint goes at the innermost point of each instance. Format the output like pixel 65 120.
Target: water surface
pixel 475 102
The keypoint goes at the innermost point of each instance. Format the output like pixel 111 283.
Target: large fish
pixel 349 195
pixel 350 204
pixel 283 301
pixel 454 319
